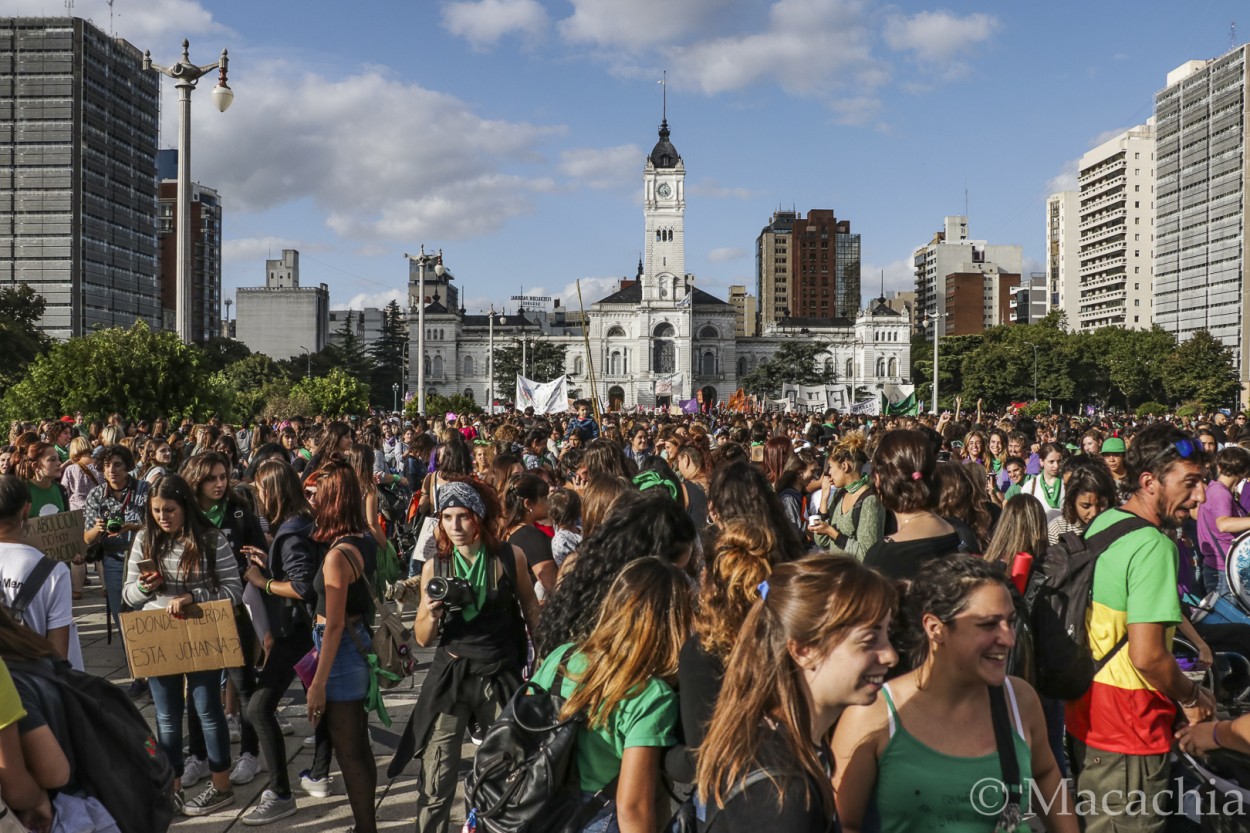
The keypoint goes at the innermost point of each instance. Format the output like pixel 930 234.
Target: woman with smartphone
pixel 177 561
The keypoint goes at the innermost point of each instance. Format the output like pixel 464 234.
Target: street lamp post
pixel 490 358
pixel 933 318
pixel 395 397
pixel 308 353
pixel 1034 346
pixel 187 75
pixel 422 260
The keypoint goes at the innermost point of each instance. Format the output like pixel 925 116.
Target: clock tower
pixel 664 210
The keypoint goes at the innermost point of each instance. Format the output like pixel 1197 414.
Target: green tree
pixel 951 354
pixel 388 354
pixel 1200 370
pixel 335 394
pixel 255 380
pixel 437 405
pixel 222 351
pixel 1127 364
pixel 136 372
pixel 352 356
pixel 797 362
pixel 21 340
pixel 544 361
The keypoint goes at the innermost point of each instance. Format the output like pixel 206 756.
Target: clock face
pixel 664 190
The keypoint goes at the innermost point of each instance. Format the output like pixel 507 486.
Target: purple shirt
pixel 1212 543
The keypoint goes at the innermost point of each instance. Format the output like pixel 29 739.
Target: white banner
pixel 869 407
pixel 546 398
pixel 669 385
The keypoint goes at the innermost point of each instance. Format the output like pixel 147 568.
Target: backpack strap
pixel 30 587
pixel 1099 542
pixel 1004 739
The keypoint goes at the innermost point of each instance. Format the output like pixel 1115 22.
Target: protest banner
pixel 158 644
pixel 58 536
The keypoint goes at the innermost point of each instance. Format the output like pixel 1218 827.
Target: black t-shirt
pixel 903 559
pixel 699 678
pixel 791 804
pixel 535 545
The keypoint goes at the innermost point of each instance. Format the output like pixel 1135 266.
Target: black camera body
pixel 455 593
pixel 114 522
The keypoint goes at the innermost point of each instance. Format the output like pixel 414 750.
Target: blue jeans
pixel 114 569
pixel 205 690
pixel 603 821
pixel 349 677
pixel 1213 580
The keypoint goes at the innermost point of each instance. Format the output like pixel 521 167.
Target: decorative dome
pixel 664 155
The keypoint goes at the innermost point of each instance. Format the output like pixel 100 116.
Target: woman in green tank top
pixel 925 756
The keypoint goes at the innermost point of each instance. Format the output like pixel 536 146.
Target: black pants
pixel 243 679
pixel 271 686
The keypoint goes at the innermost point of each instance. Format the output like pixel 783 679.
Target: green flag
pixel 904 407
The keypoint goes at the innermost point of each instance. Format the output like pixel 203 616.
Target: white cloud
pixel 374 299
pixel 1065 180
pixel 900 276
pixel 255 249
pixel 936 39
pixel 484 22
pixel 384 160
pixel 727 254
pixel 593 289
pixel 709 187
pixel 602 168
pixel 640 22
pixel 158 25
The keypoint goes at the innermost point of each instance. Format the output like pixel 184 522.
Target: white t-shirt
pixel 52 607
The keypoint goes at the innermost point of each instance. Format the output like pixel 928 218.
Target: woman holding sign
pixel 179 559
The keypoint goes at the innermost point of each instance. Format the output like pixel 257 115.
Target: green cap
pixel 1113 445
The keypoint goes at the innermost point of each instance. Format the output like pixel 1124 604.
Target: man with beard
pixel 1122 726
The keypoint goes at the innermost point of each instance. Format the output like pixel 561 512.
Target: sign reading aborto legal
pixel 58 536
pixel 158 644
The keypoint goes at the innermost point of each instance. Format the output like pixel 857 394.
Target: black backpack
pixel 1058 602
pixel 524 777
pixel 115 755
pixel 31 586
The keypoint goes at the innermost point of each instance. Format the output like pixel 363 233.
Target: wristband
pixel 1193 701
pixel 1215 734
pixel 268 592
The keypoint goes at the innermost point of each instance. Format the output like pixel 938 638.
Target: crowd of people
pixel 802 622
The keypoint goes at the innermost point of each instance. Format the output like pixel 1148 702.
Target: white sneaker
pixel 317 787
pixel 271 808
pixel 311 740
pixel 245 769
pixel 284 725
pixel 194 770
pixel 236 727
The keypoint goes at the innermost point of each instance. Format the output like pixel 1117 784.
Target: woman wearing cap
pixel 1113 450
pixel 479 630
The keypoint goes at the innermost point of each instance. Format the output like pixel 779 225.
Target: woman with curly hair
pixel 636 526
pixel 620 676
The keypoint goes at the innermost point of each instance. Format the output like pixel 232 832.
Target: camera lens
pixel 437 589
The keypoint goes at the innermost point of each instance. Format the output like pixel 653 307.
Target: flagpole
pixel 590 359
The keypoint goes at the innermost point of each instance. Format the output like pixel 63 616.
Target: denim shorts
pixel 349 678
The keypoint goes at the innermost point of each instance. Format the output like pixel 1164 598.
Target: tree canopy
pixel 797 362
pixel 544 361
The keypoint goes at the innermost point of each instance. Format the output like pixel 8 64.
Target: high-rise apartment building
pixel 1202 230
pixel 1063 246
pixel 952 252
pixel 745 312
pixel 1116 231
pixel 1029 300
pixel 978 299
pixel 78 137
pixel 772 269
pixel 205 252
pixel 824 267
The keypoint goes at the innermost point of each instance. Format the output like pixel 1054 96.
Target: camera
pixel 455 593
pixel 114 522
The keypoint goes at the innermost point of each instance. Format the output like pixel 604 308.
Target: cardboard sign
pixel 158 644
pixel 57 536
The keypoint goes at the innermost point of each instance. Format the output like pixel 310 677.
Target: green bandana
pixel 216 513
pixel 857 485
pixel 475 573
pixel 1051 492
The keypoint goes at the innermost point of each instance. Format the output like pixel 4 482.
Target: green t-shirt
pixel 649 718
pixel 1012 491
pixel 45 501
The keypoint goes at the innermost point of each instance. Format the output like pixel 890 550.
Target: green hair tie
pixel 651 479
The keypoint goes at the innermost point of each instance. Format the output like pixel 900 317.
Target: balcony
pixel 1099 203
pixel 1103 250
pixel 1099 186
pixel 1107 217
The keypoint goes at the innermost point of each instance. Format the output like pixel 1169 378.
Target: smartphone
pixel 147 565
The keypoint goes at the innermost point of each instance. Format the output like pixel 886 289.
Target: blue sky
pixel 511 133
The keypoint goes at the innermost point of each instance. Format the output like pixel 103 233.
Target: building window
pixel 436 366
pixel 850 368
pixel 709 363
pixel 468 365
pixel 616 364
pixel 579 367
pixel 893 368
pixel 880 367
pixel 709 332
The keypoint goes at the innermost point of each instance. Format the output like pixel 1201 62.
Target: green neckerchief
pixel 996 465
pixel 216 513
pixel 62 453
pixel 1051 492
pixel 476 576
pixel 857 485
pixel 305 453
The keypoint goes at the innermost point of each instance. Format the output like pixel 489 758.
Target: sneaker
pixel 138 690
pixel 236 727
pixel 316 787
pixel 245 769
pixel 311 740
pixel 194 770
pixel 210 800
pixel 475 732
pixel 180 801
pixel 284 725
pixel 270 808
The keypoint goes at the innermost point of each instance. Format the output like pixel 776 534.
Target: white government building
pixel 659 338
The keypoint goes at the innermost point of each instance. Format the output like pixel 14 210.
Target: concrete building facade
pixel 978 299
pixel 1029 300
pixel 78 195
pixel 1063 246
pixel 746 311
pixel 772 269
pixel 283 319
pixel 1117 181
pixel 366 323
pixel 1202 230
pixel 952 252
pixel 205 252
pixel 824 267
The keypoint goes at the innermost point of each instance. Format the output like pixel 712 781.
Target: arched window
pixel 709 363
pixel 469 393
pixel 616 364
pixel 893 368
pixel 880 367
pixel 742 365
pixel 664 330
pixel 427 365
pixel 850 368
pixel 616 332
pixel 709 332
pixel 436 366
pixel 579 367
pixel 468 365
pixel 663 350
pixel 828 366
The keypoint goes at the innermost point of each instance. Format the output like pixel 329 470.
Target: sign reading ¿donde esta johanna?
pixel 158 644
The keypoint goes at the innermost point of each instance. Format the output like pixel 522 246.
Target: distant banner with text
pixel 545 398
pixel 869 407
pixel 670 385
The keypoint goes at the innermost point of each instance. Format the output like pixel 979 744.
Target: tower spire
pixel 664 99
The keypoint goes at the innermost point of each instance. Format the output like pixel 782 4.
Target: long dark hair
pixel 739 490
pixel 519 489
pixel 198 537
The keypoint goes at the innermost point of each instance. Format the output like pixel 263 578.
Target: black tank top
pixel 358 601
pixel 497 633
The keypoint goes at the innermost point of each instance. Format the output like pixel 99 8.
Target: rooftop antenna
pixel 113 33
pixel 1232 35
pixel 883 284
pixel 663 82
pixel 69 8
